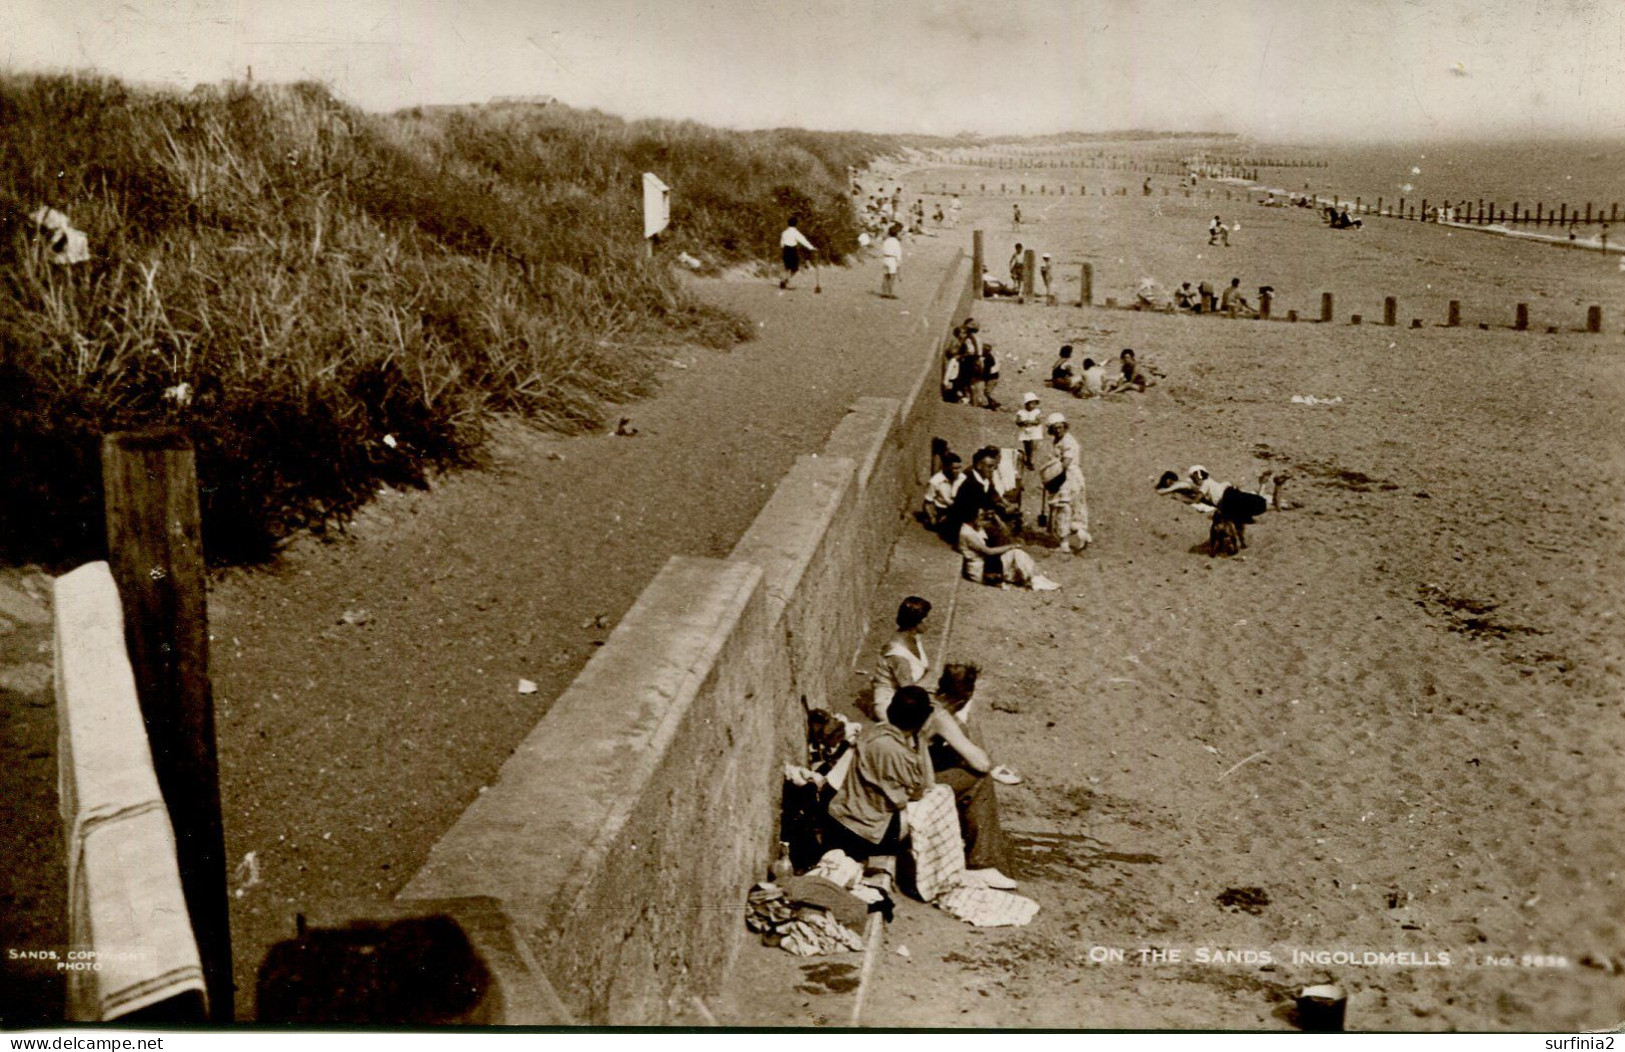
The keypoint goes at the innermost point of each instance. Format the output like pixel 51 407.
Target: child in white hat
pixel 1030 422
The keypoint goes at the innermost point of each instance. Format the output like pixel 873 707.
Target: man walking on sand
pixel 791 242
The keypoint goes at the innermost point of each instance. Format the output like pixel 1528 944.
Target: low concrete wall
pixel 622 834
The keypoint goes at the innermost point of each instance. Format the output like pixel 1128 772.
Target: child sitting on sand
pixel 1093 382
pixel 1133 377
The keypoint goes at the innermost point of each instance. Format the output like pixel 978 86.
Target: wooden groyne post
pixel 155 551
pixel 1522 321
pixel 1594 318
pixel 977 262
pixel 1325 306
pixel 1390 311
pixel 1086 294
pixel 1454 319
pixel 1029 262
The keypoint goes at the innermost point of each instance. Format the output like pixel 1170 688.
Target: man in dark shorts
pixel 791 242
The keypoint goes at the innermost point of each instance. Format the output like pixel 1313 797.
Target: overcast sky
pixel 1274 69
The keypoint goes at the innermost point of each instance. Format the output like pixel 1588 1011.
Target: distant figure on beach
pixel 1145 189
pixel 1217 231
pixel 1233 509
pixel 936 217
pixel 1207 301
pixel 993 287
pixel 953 211
pixel 1092 384
pixel 1064 373
pixel 791 244
pixel 1044 271
pixel 1185 297
pixel 1017 266
pixel 941 490
pixel 1133 377
pixel 1016 218
pixel 1066 506
pixel 1234 300
pixel 891 258
pixel 1029 429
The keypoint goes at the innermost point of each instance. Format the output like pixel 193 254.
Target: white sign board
pixel 656 205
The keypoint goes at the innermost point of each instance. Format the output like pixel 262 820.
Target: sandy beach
pixel 1391 727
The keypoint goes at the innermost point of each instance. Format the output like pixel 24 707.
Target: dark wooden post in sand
pixel 1086 294
pixel 977 262
pixel 1390 311
pixel 1522 321
pixel 155 549
pixel 1455 314
pixel 1325 306
pixel 1029 261
pixel 1594 318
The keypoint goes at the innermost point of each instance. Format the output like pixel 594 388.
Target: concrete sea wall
pixel 619 839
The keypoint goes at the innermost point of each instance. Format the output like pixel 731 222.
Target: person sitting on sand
pixel 1064 373
pixel 1147 295
pixel 903 659
pixel 1233 300
pixel 1133 378
pixel 1217 230
pixel 1004 565
pixel 1185 298
pixel 959 761
pixel 941 490
pixel 866 816
pixel 992 287
pixel 1092 384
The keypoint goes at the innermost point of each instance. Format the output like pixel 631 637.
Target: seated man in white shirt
pixel 941 490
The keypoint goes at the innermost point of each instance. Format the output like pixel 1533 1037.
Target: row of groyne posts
pixel 1237 167
pixel 1328 306
pixel 1464 212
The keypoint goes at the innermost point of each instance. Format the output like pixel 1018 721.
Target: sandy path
pixel 348 748
pixel 1427 653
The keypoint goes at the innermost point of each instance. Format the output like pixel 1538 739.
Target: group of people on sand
pixel 1201 299
pixel 1089 380
pixel 880 210
pixel 970 368
pixel 920 737
pixel 1232 509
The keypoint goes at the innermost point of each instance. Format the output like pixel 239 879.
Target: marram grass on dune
pixel 320 278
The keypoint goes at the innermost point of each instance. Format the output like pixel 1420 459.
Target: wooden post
pixel 1563 219
pixel 1086 295
pixel 1390 311
pixel 1455 314
pixel 1594 318
pixel 1424 210
pixel 1588 213
pixel 977 262
pixel 1613 212
pixel 155 550
pixel 1354 319
pixel 1379 206
pixel 1265 301
pixel 1540 212
pixel 1029 264
pixel 1522 321
pixel 1514 213
pixel 1291 315
pixel 1325 306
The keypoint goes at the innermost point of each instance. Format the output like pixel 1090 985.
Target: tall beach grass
pixel 350 299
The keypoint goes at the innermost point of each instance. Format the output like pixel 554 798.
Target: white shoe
pixel 991 878
pixel 1044 584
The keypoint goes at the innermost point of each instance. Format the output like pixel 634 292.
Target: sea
pixel 1550 173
